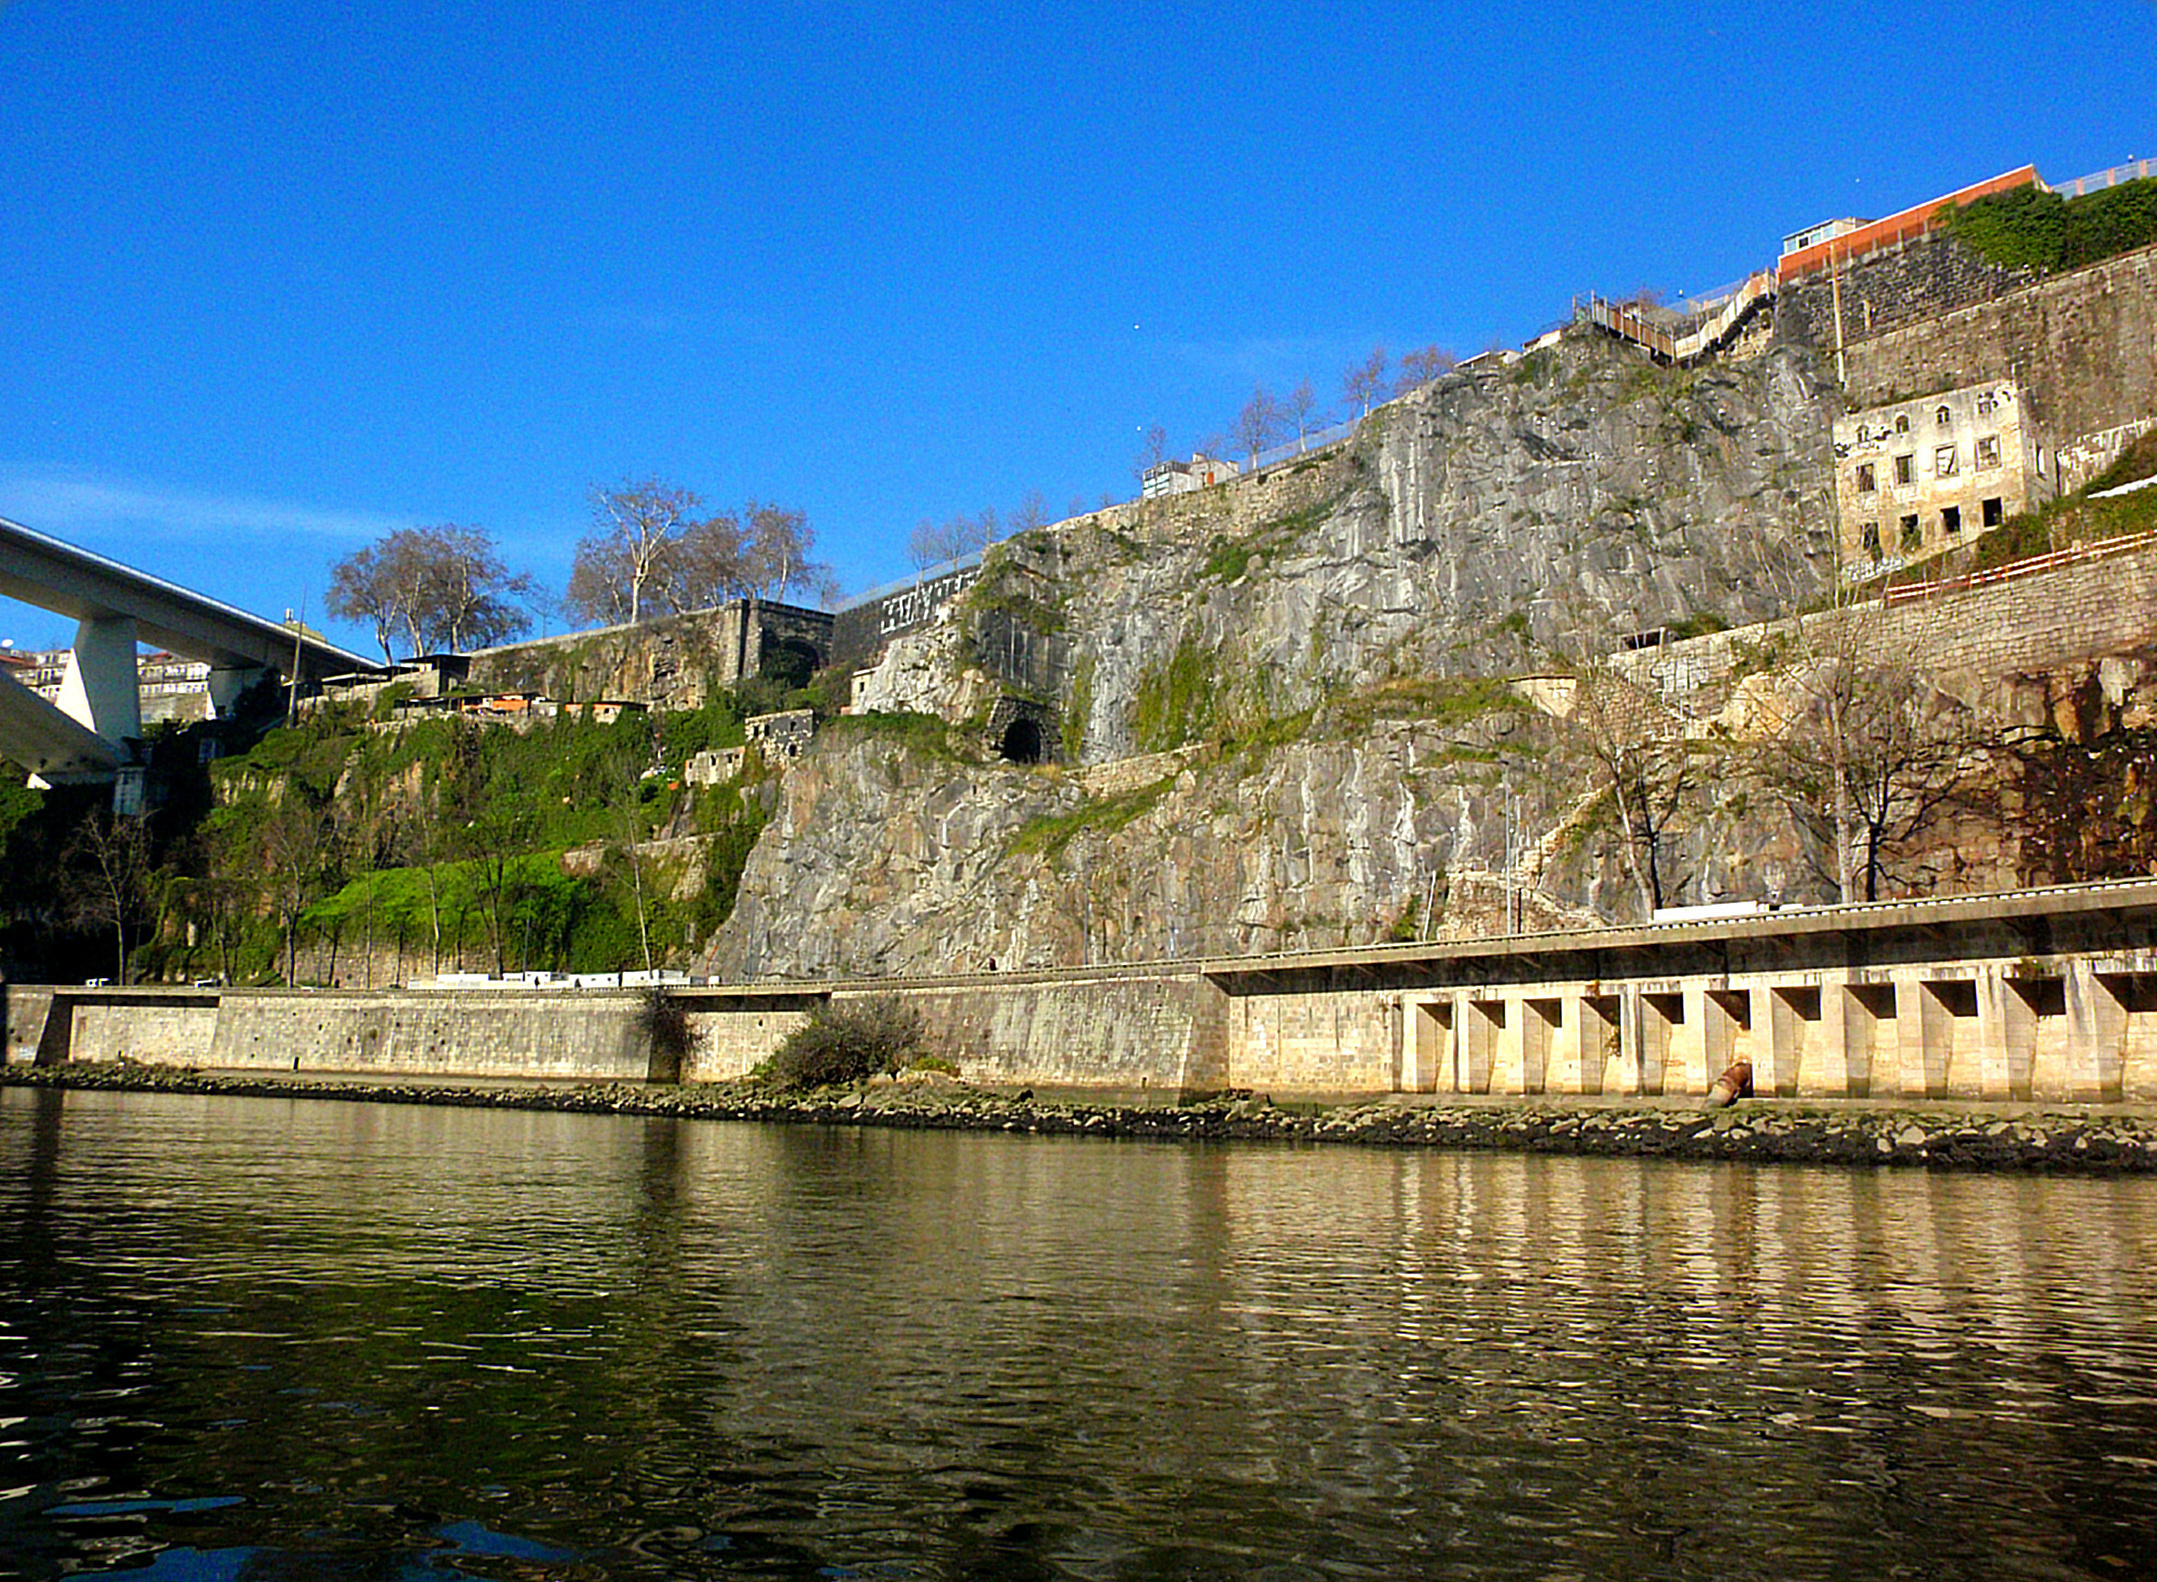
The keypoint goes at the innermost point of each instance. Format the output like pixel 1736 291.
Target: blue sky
pixel 279 279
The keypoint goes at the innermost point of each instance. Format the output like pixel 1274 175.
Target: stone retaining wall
pixel 2048 995
pixel 498 1033
pixel 2021 626
pixel 1932 316
pixel 1151 1032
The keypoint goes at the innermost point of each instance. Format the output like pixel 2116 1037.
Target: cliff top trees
pixel 638 523
pixel 1364 382
pixel 1257 425
pixel 1421 367
pixel 653 554
pixel 435 587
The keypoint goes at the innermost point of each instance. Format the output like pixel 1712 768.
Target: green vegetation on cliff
pixel 441 842
pixel 2032 229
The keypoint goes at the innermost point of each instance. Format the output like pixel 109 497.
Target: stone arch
pixel 1021 742
pixel 1022 731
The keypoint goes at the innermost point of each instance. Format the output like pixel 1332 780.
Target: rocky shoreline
pixel 1944 1137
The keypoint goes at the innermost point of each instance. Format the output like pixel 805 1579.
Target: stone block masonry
pixel 2044 995
pixel 1932 316
pixel 2019 626
pixel 669 663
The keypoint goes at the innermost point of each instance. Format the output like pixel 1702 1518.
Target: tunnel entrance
pixel 1021 742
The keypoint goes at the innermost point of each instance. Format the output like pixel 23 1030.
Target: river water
pixel 246 1338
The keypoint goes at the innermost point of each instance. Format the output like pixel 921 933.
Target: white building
pixel 1184 477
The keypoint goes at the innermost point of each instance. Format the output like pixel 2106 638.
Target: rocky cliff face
pixel 1389 815
pixel 1468 524
pixel 1307 657
pixel 1308 643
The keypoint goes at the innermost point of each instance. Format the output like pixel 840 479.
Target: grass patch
pixel 927 733
pixel 1048 836
pixel 1229 558
pixel 1438 701
pixel 1174 702
pixel 2136 462
pixel 1078 710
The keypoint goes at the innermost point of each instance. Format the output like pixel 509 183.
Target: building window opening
pixel 1985 404
pixel 1021 743
pixel 1994 515
pixel 1902 422
pixel 1951 518
pixel 1868 534
pixel 1905 471
pixel 1912 536
pixel 1943 462
pixel 1867 480
pixel 1941 418
pixel 1988 452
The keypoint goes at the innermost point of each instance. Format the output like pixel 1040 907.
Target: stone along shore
pixel 2096 1139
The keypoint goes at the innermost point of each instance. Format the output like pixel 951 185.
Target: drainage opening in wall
pixel 1021 743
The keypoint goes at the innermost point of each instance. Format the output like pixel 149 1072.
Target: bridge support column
pixel 1795 1032
pixel 2005 1034
pixel 227 685
pixel 102 688
pixel 1919 1071
pixel 2096 1035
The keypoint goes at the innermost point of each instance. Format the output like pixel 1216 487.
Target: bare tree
pixel 777 550
pixel 1638 748
pixel 614 568
pixel 1256 425
pixel 1861 742
pixel 472 591
pixel 1421 367
pixel 1152 451
pixel 1301 408
pixel 708 565
pixel 107 860
pixel 1641 754
pixel 1033 512
pixel 930 544
pixel 434 587
pixel 1365 381
pixel 381 586
pixel 290 857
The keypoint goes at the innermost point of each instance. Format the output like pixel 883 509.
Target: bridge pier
pixel 227 683
pixel 102 688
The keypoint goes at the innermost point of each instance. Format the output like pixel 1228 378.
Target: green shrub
pixel 2028 229
pixel 2136 462
pixel 849 1040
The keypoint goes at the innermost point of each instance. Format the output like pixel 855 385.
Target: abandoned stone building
pixel 1919 476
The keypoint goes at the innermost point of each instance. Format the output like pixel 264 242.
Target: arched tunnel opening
pixel 1022 742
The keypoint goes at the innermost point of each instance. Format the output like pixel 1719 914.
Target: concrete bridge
pixel 115 607
pixel 2045 995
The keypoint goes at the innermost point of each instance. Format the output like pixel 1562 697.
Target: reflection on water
pixel 259 1338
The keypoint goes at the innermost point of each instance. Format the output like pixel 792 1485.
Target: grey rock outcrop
pixel 1319 633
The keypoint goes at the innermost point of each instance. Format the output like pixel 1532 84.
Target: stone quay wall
pixel 2036 996
pixel 1160 1030
pixel 1116 1029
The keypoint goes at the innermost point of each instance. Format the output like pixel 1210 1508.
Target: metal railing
pixel 2073 554
pixel 2133 170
